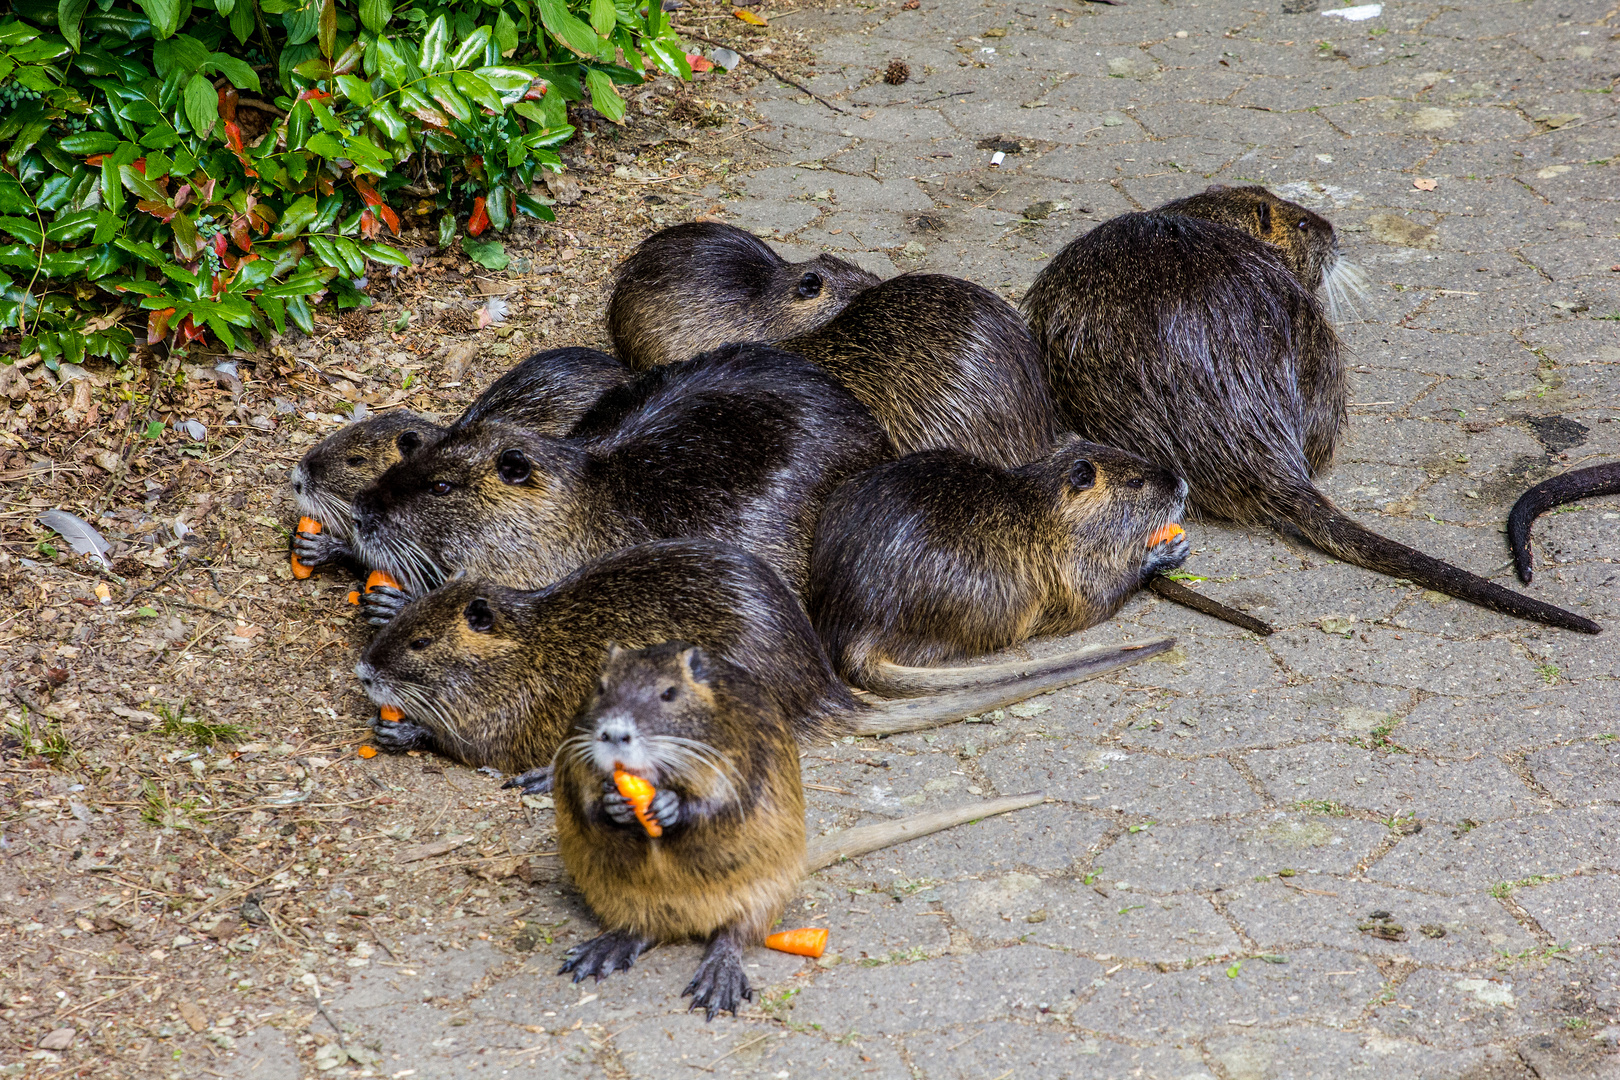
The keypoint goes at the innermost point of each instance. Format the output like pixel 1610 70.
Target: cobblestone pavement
pixel 1384 842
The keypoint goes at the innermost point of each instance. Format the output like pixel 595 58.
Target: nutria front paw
pixel 602 956
pixel 533 782
pixel 615 805
pixel 380 603
pixel 1166 555
pixel 317 549
pixel 398 736
pixel 720 984
pixel 665 808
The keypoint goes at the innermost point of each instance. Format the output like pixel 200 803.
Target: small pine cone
pixel 457 321
pixel 899 71
pixel 355 321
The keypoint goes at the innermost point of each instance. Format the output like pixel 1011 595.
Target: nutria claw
pixel 603 955
pixel 1166 555
pixel 720 984
pixel 315 549
pixel 398 736
pixel 615 805
pixel 533 782
pixel 380 603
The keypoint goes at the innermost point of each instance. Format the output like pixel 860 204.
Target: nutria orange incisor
pixel 694 287
pixel 728 812
pixel 742 444
pixel 1563 488
pixel 491 675
pixel 546 394
pixel 940 556
pixel 1193 344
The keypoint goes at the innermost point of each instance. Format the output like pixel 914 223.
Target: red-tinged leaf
pixel 349 58
pixel 325 184
pixel 189 331
pixel 312 94
pixel 182 196
pixel 218 284
pixel 367 192
pixel 390 217
pixel 162 211
pixel 95 160
pixel 370 228
pixel 139 165
pixel 227 102
pixel 206 192
pixel 699 63
pixel 157 325
pixel 221 245
pixel 233 135
pixel 536 91
pixel 240 234
pixel 480 218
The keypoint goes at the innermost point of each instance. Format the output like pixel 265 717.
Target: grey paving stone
pixel 1324 985
pixel 1583 909
pixel 1392 785
pixel 1173 858
pixel 1264 717
pixel 1099 920
pixel 1554 842
pixel 933 994
pixel 1135 784
pixel 1284 913
pixel 1306 1052
pixel 1457 1010
pixel 1461 727
pixel 655 1048
pixel 1582 773
pixel 1046 1051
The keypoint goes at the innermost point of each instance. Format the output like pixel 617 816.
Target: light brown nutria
pixel 1566 487
pixel 944 365
pixel 492 676
pixel 939 556
pixel 729 810
pixel 1193 344
pixel 695 287
pixel 546 393
pixel 743 444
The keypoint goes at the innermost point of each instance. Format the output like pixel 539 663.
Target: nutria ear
pixel 1213 188
pixel 409 442
pixel 696 663
pixel 513 467
pixel 810 286
pixel 615 650
pixel 1263 212
pixel 480 619
pixel 1082 475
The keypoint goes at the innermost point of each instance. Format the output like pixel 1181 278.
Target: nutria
pixel 694 287
pixel 1563 488
pixel 546 393
pixel 944 365
pixel 1192 343
pixel 491 676
pixel 939 556
pixel 1305 240
pixel 742 444
pixel 729 811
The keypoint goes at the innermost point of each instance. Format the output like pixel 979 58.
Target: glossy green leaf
pixel 241 73
pixel 565 28
pixel 295 218
pixel 85 143
pixel 603 16
pixel 202 104
pixel 356 90
pixel 487 253
pixel 605 97
pixel 478 90
pixel 511 83
pixel 470 51
pixel 434 44
pixel 165 16
pixel 506 34
pixel 374 14
pixel 327 28
pixel 382 253
pixel 303 24
pixel 69 14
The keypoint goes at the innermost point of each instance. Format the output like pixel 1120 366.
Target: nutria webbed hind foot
pixel 719 848
pixel 1563 488
pixel 943 364
pixel 1193 344
pixel 697 286
pixel 941 556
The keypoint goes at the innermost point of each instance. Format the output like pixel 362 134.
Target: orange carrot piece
pixel 354 596
pixel 811 942
pixel 1169 532
pixel 306 525
pixel 639 794
pixel 368 751
pixel 391 714
pixel 381 577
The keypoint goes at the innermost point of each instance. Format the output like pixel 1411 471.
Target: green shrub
pixel 221 166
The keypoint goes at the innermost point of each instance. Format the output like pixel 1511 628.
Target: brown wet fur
pixel 1194 344
pixel 1303 238
pixel 943 364
pixel 694 287
pixel 336 469
pixel 939 557
pixel 737 856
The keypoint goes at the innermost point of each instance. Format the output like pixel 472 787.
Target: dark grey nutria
pixel 546 393
pixel 492 676
pixel 694 287
pixel 730 847
pixel 1191 343
pixel 939 556
pixel 1563 488
pixel 944 365
pixel 743 444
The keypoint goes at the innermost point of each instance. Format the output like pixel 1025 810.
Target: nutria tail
pixel 1178 593
pixel 893 680
pixel 1016 682
pixel 1319 522
pixel 1566 487
pixel 823 851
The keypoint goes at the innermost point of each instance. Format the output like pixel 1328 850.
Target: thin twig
pixel 772 72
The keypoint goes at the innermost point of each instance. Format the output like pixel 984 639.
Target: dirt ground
pixel 192 845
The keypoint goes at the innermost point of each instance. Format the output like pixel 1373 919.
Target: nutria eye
pixel 441 488
pixel 1304 223
pixel 1083 475
pixel 421 643
pixel 356 461
pixel 810 286
pixel 668 695
pixel 1135 482
pixel 409 442
pixel 514 467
